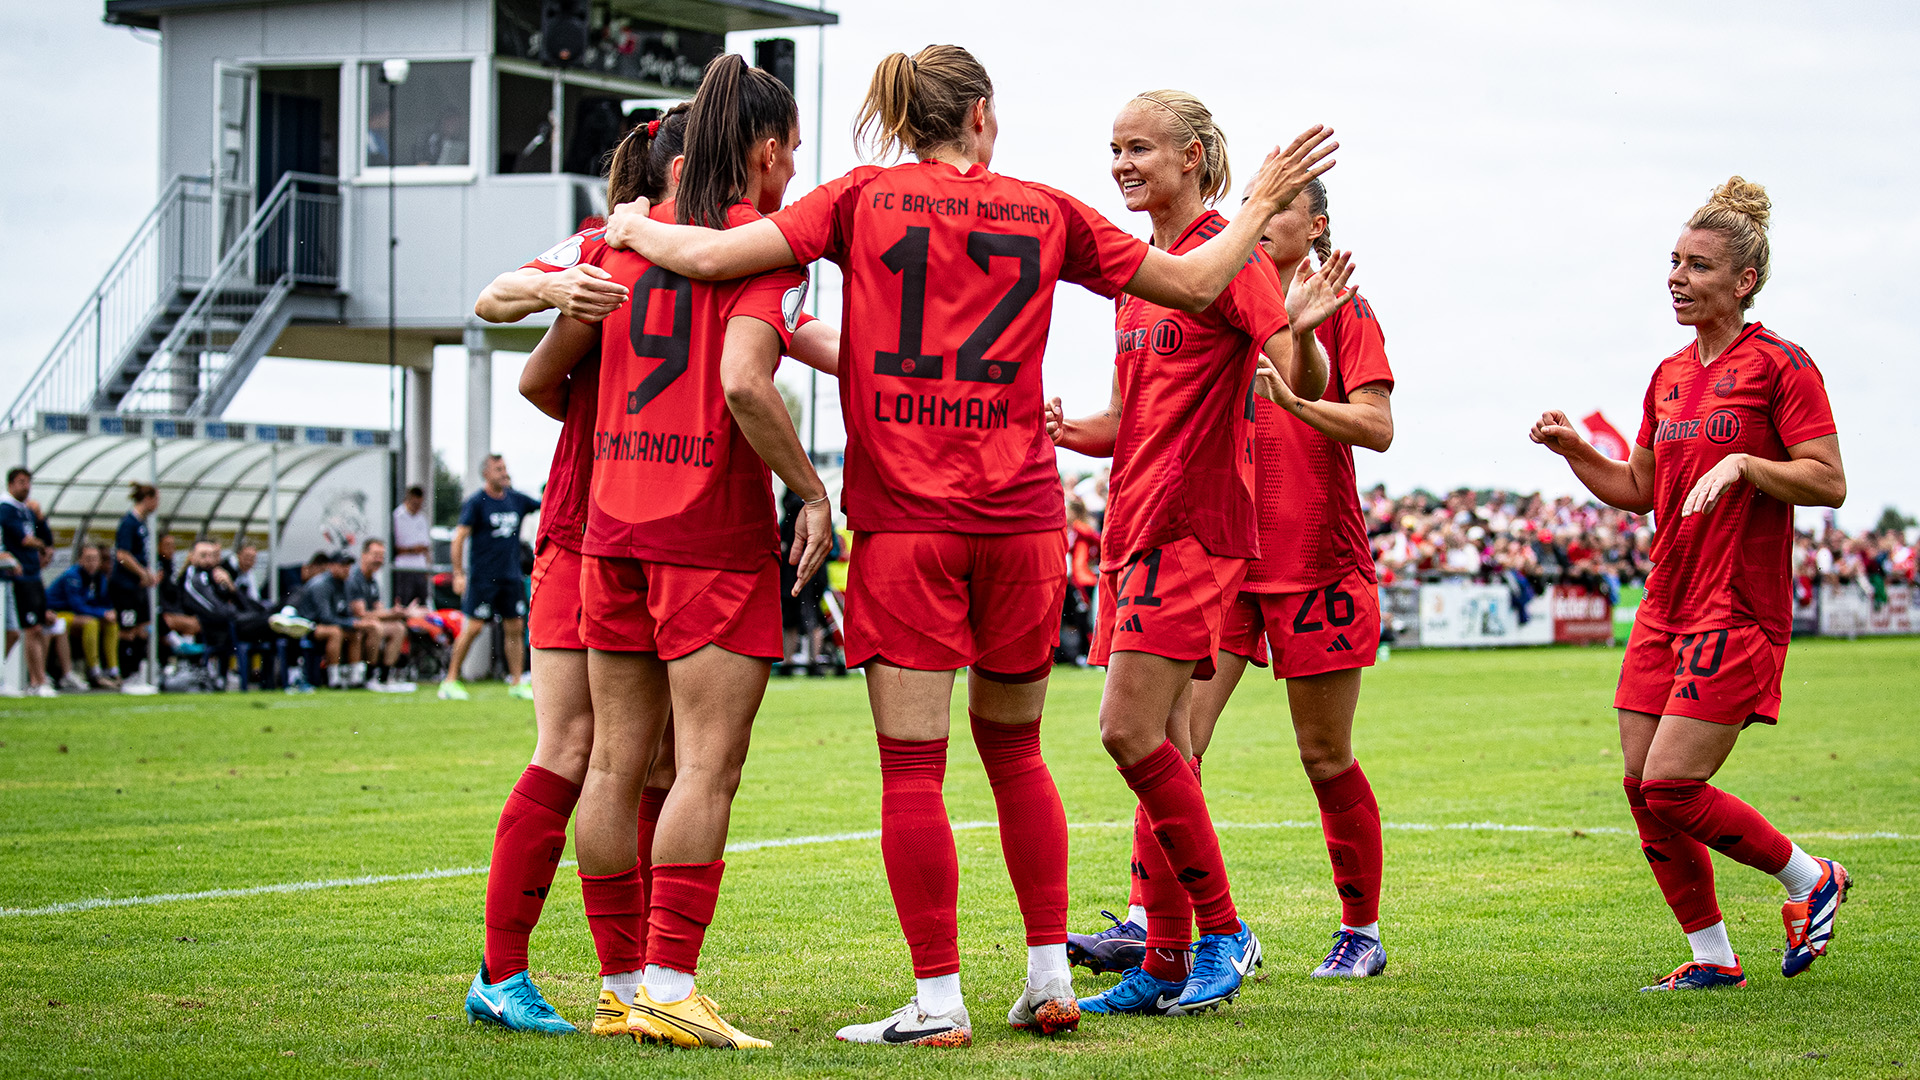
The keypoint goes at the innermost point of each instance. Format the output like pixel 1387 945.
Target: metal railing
pixel 170 251
pixel 292 240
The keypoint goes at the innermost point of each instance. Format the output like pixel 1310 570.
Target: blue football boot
pixel 1221 962
pixel 1137 994
pixel 514 1004
pixel 1118 948
pixel 1694 975
pixel 1353 955
pixel 1810 921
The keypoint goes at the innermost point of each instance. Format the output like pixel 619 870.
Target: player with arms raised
pixel 1180 529
pixel 950 481
pixel 1736 432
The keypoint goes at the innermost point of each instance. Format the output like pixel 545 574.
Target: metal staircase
pixel 193 303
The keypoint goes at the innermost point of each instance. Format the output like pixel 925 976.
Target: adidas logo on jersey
pixel 1673 394
pixel 1340 644
pixel 1689 692
pixel 1131 626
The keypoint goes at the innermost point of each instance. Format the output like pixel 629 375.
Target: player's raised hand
pixel 1270 384
pixel 585 292
pixel 812 541
pixel 1555 432
pixel 1286 172
pixel 1315 294
pixel 1708 489
pixel 1056 421
pixel 620 223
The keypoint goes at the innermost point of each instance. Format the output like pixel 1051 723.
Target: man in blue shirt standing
pixel 489 579
pixel 27 537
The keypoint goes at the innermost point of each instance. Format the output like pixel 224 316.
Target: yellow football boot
pixel 611 1015
pixel 691 1022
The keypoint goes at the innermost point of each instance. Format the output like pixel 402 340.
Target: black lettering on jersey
pixel 1671 430
pixel 913 203
pixel 671 349
pixel 1013 212
pixel 688 448
pixel 934 410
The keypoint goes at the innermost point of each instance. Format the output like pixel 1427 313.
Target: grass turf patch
pixel 1509 951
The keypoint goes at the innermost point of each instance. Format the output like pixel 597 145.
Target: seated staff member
pixel 380 627
pixel 323 603
pixel 1735 432
pixel 486 574
pixel 79 595
pixel 226 618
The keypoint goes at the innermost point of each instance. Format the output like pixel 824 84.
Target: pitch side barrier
pixel 1467 615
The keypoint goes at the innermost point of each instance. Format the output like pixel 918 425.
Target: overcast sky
pixel 1511 178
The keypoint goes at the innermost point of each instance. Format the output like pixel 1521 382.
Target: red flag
pixel 1604 438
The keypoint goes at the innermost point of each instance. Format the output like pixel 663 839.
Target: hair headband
pixel 1191 130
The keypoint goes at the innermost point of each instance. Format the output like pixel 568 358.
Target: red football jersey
pixel 1312 531
pixel 940 387
pixel 674 479
pixel 563 505
pixel 1728 567
pixel 1183 459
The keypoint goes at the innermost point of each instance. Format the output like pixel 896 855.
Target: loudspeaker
pixel 775 57
pixel 564 32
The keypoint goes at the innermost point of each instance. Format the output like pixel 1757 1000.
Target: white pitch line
pixel 72 906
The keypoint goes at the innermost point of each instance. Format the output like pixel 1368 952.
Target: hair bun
pixel 1743 196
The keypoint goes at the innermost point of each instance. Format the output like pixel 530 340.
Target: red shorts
pixel 1170 601
pixel 944 601
pixel 632 605
pixel 553 614
pixel 1729 676
pixel 1334 628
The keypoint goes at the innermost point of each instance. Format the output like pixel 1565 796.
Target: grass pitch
pixel 1511 951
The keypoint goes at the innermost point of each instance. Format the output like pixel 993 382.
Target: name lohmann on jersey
pixel 932 410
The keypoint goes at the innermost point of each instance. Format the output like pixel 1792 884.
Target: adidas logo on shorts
pixel 1340 644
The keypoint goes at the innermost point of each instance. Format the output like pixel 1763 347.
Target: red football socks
pixel 681 909
pixel 1681 865
pixel 1177 815
pixel 1169 908
pixel 1720 821
pixel 617 919
pixel 1350 818
pixel 1136 893
pixel 1033 825
pixel 526 851
pixel 916 843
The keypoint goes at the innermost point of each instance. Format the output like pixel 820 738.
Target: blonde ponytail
pixel 1191 122
pixel 1738 211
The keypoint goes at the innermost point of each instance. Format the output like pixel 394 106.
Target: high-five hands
pixel 1286 173
pixel 1315 294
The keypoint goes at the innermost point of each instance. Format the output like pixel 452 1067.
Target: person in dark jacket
pixel 226 618
pixel 27 538
pixel 324 603
pixel 79 596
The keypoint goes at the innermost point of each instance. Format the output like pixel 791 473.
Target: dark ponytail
pixel 641 167
pixel 1317 207
pixel 738 107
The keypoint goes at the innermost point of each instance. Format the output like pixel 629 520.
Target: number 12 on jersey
pixel 908 259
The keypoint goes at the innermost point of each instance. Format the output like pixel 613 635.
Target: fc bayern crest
pixel 1725 386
